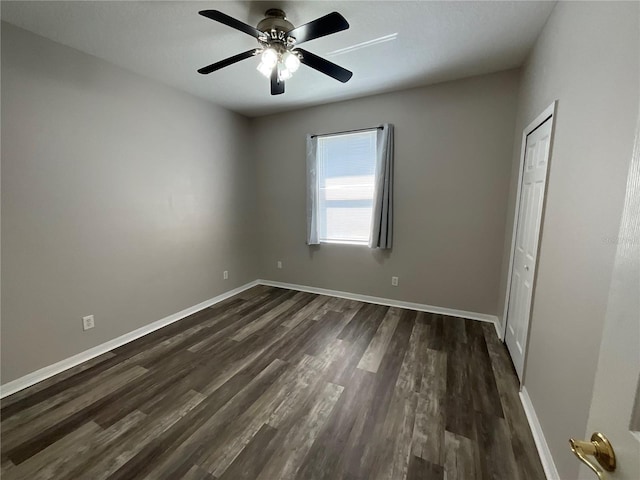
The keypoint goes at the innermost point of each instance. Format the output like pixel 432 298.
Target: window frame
pixel 319 177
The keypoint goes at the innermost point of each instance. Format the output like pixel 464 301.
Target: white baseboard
pixel 483 317
pixel 549 466
pixel 499 329
pixel 51 370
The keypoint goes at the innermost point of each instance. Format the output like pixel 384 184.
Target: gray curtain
pixel 382 221
pixel 312 191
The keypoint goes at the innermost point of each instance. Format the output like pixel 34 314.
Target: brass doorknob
pixel 600 448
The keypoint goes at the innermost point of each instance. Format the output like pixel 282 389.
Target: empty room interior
pixel 320 240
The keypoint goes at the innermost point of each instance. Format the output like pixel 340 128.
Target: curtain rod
pixel 379 127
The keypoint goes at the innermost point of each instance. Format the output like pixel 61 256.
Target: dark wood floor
pixel 276 384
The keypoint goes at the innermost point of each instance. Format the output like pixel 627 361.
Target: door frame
pixel 548 113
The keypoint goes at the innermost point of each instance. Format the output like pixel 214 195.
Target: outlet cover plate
pixel 88 322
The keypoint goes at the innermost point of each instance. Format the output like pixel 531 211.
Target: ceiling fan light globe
pixel 264 69
pixel 284 74
pixel 270 57
pixel 291 61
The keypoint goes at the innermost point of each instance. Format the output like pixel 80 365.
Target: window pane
pixel 346 168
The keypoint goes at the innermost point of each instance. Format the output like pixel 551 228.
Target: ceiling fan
pixel 278 46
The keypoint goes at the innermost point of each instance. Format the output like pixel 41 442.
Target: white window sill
pixel 345 242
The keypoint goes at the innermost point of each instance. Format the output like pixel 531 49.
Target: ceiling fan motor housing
pixel 275 25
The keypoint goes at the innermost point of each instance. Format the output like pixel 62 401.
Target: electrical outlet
pixel 279 263
pixel 225 275
pixel 394 281
pixel 88 322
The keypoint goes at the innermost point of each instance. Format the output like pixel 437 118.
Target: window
pixel 346 177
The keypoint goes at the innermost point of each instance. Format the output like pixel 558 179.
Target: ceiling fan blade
pixel 277 86
pixel 226 62
pixel 218 16
pixel 325 66
pixel 330 23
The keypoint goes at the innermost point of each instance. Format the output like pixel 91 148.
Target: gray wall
pixel 453 161
pixel 121 198
pixel 587 58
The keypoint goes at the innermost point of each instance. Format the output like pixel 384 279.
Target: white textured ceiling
pixel 169 41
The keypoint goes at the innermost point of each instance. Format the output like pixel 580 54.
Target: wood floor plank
pixel 522 443
pixel 368 315
pixel 287 459
pixel 72 463
pixel 332 324
pixel 392 459
pixel 460 458
pixel 168 391
pixel 455 333
pixel 278 384
pixel 6 466
pixel 47 407
pixel 147 388
pixel 332 304
pixel 458 410
pixel 309 310
pixel 330 452
pixel 50 387
pixel 436 335
pixel 151 455
pixel 486 398
pixel 428 432
pixel 281 400
pixel 128 448
pixel 420 469
pixel 424 330
pixel 387 376
pixel 358 333
pixel 42 464
pixel 372 357
pixel 497 459
pixel 196 473
pixel 253 292
pixel 197 445
pixel 410 375
pixel 297 301
pixel 146 343
pixel 307 335
pixel 46 430
pixel 246 314
pixel 248 464
pixel 239 362
pixel 301 387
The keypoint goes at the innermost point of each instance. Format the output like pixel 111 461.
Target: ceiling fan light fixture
pixel 265 69
pixel 291 61
pixel 278 41
pixel 269 57
pixel 284 73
